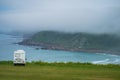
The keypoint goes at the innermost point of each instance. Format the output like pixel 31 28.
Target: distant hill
pixel 75 41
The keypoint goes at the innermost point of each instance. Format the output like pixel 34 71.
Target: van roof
pixel 19 51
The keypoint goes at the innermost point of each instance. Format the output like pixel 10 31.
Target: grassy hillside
pixel 76 40
pixel 58 71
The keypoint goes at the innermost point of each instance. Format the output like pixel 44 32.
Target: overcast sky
pixel 96 16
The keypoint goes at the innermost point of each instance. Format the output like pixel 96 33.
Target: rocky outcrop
pixel 48 46
pixel 95 43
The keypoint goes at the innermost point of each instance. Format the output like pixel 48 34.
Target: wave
pixel 116 61
pixel 114 55
pixel 102 53
pixel 101 61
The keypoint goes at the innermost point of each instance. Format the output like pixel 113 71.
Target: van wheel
pixel 23 64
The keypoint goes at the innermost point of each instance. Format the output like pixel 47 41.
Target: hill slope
pixel 75 41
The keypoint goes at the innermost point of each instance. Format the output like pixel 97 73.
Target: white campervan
pixel 19 57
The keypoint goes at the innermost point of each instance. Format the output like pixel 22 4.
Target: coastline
pixel 48 46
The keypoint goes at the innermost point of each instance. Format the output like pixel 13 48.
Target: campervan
pixel 19 57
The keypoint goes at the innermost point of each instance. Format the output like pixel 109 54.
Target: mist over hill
pixel 93 16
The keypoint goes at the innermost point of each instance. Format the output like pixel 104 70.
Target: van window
pixel 17 55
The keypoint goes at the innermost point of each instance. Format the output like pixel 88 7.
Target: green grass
pixel 58 71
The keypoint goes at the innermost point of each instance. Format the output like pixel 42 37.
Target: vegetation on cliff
pixel 75 41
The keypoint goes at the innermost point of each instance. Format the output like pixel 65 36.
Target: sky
pixel 94 16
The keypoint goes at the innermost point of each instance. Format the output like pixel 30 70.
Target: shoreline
pixel 48 46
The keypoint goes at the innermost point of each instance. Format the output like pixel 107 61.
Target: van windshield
pixel 17 55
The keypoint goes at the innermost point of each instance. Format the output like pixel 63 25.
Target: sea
pixel 8 46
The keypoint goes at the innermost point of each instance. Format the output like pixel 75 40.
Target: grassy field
pixel 58 71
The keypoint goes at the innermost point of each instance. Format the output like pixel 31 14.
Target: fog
pixel 94 16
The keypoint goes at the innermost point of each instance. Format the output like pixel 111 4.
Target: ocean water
pixel 7 47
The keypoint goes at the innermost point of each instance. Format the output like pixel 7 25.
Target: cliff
pixel 109 43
